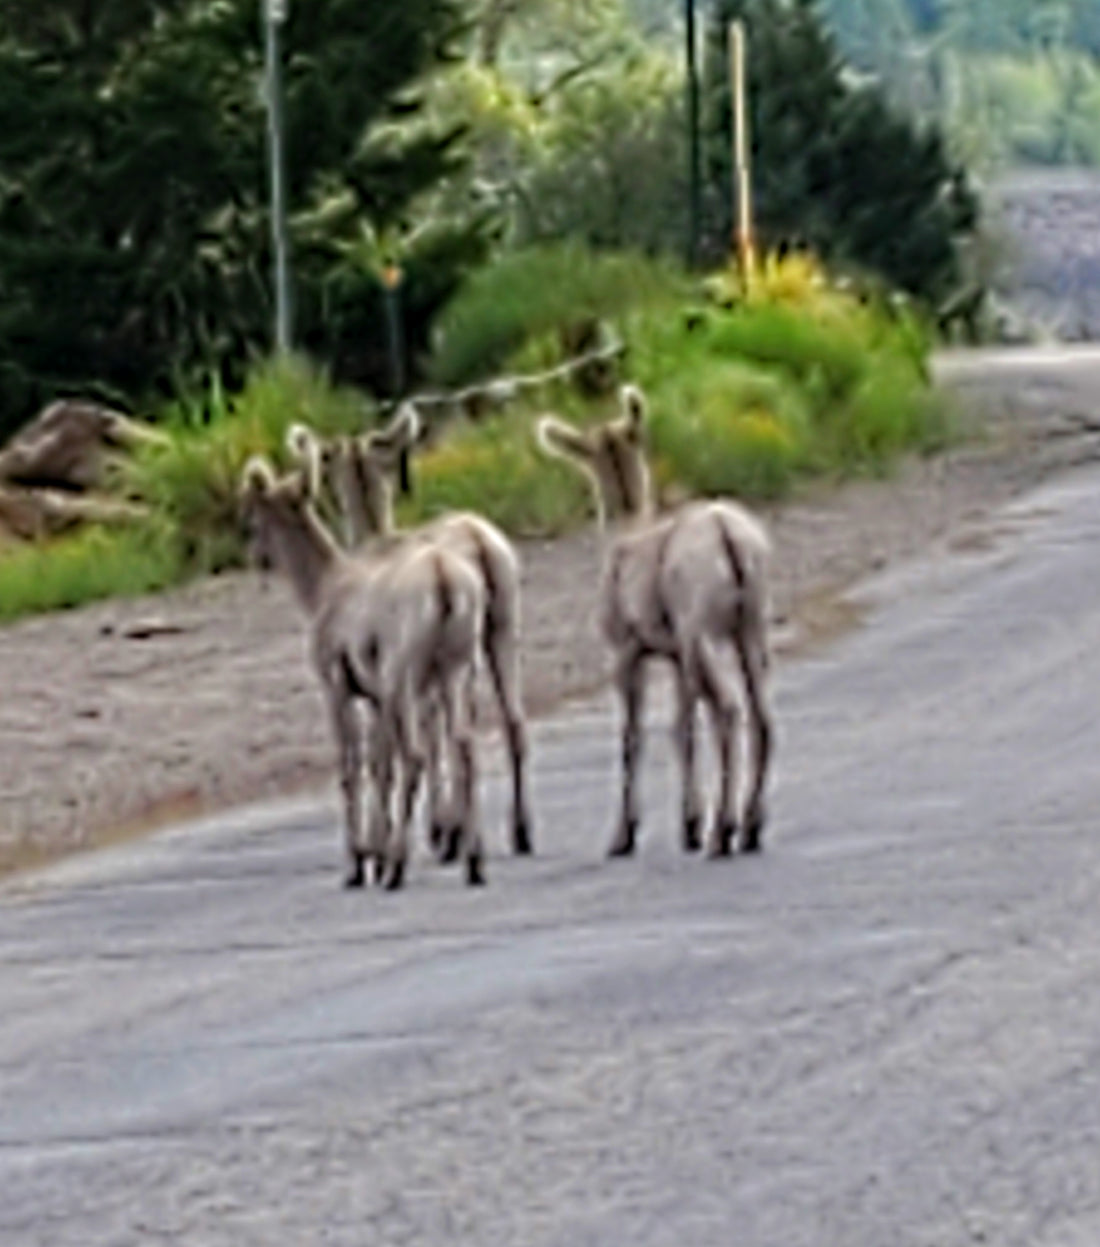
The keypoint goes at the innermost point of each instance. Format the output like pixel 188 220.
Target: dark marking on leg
pixel 354 876
pixel 624 842
pixel 450 843
pixel 521 838
pixel 752 831
pixel 475 873
pixel 724 836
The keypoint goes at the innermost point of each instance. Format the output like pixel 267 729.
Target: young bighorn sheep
pixel 687 586
pixel 390 631
pixel 356 473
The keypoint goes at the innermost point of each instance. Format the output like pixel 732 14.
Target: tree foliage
pixel 1011 80
pixel 133 186
pixel 577 124
pixel 836 168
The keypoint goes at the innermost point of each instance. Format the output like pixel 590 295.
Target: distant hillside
pixel 1001 26
pixel 1013 81
pixel 1052 222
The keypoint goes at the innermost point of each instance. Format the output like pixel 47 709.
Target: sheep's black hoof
pixel 521 839
pixel 724 835
pixel 354 877
pixel 752 833
pixel 435 837
pixel 449 842
pixel 475 871
pixel 623 844
pixel 396 877
pixel 691 840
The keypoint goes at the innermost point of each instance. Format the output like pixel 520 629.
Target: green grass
pixel 192 482
pixel 493 468
pixel 189 487
pixel 85 567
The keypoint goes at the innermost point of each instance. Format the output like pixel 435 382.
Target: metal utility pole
pixel 275 12
pixel 742 182
pixel 694 167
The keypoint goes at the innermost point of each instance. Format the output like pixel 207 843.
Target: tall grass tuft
pixel 535 292
pixel 192 482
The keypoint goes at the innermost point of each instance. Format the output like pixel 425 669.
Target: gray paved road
pixel 884 1031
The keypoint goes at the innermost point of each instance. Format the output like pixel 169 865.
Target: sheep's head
pixel 390 449
pixel 328 463
pixel 309 452
pixel 612 454
pixel 268 502
pixel 372 459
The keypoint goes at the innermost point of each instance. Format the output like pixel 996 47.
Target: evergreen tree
pixel 835 168
pixel 133 185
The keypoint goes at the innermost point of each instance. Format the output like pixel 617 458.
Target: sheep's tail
pixel 733 555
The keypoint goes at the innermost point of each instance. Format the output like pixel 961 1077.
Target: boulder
pixel 68 445
pixel 31 514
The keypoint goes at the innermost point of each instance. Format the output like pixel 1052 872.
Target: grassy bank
pixel 750 391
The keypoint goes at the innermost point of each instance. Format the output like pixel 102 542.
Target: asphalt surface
pixel 885 1030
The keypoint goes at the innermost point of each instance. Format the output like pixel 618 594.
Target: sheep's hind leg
pixel 754 671
pixel 460 722
pixel 380 753
pixel 347 730
pixel 500 651
pixel 411 765
pixel 687 699
pixel 443 831
pixel 725 717
pixel 630 681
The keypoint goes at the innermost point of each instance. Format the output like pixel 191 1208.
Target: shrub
pixel 535 292
pixel 192 482
pixel 796 375
pixel 729 428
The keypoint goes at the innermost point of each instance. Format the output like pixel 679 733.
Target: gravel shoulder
pixel 123 716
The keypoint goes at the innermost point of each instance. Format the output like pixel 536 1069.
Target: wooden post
pixel 744 247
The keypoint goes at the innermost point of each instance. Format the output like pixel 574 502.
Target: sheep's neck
pixel 625 522
pixel 368 509
pixel 307 555
pixel 378 513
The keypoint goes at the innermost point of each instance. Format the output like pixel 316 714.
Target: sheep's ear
pixel 301 442
pixel 258 478
pixel 399 436
pixel 304 447
pixel 633 406
pixel 563 440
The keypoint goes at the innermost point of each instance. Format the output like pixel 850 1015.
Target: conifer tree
pixel 836 169
pixel 133 184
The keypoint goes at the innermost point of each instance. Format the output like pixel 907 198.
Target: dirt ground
pixel 123 716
